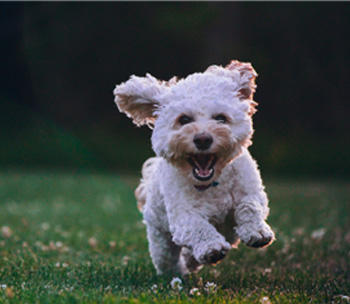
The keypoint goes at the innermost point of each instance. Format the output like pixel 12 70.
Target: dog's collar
pixel 203 188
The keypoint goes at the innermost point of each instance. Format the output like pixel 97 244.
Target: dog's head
pixel 200 123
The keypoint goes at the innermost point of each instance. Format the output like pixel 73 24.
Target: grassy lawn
pixel 78 238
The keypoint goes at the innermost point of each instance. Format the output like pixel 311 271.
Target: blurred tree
pixel 15 82
pixel 67 58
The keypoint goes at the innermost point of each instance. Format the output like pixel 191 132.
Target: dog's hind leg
pixel 164 252
pixel 147 172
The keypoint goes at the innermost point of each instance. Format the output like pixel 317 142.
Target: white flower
pixel 58 244
pixel 45 226
pixel 176 284
pixel 318 234
pixel 154 288
pixel 3 286
pixel 112 244
pixel 210 287
pixel 6 231
pixel 265 300
pixel 125 260
pixel 92 242
pixel 195 292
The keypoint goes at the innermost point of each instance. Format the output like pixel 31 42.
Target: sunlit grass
pixel 79 238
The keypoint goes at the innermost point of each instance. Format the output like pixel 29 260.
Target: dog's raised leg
pixel 194 232
pixel 187 262
pixel 252 229
pixel 251 202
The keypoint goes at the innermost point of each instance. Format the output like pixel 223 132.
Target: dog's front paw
pixel 256 236
pixel 212 253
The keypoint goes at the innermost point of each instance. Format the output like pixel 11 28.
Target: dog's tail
pixel 147 172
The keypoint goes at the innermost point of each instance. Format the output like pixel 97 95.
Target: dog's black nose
pixel 203 141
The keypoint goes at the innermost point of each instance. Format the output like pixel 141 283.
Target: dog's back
pixel 147 172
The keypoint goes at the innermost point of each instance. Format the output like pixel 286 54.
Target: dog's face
pixel 200 123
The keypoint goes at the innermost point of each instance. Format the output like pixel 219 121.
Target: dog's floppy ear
pixel 243 79
pixel 138 98
pixel 246 78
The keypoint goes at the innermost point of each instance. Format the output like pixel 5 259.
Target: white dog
pixel 203 192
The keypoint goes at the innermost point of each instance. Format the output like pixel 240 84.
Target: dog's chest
pixel 214 206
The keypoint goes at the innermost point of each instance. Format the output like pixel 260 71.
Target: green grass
pixel 78 238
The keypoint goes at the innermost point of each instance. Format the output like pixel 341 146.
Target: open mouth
pixel 203 165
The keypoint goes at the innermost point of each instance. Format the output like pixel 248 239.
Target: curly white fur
pixel 198 197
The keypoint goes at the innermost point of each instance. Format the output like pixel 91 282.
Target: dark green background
pixel 60 63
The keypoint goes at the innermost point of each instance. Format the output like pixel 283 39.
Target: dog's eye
pixel 221 118
pixel 184 119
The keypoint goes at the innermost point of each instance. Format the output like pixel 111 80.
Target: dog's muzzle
pixel 203 165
